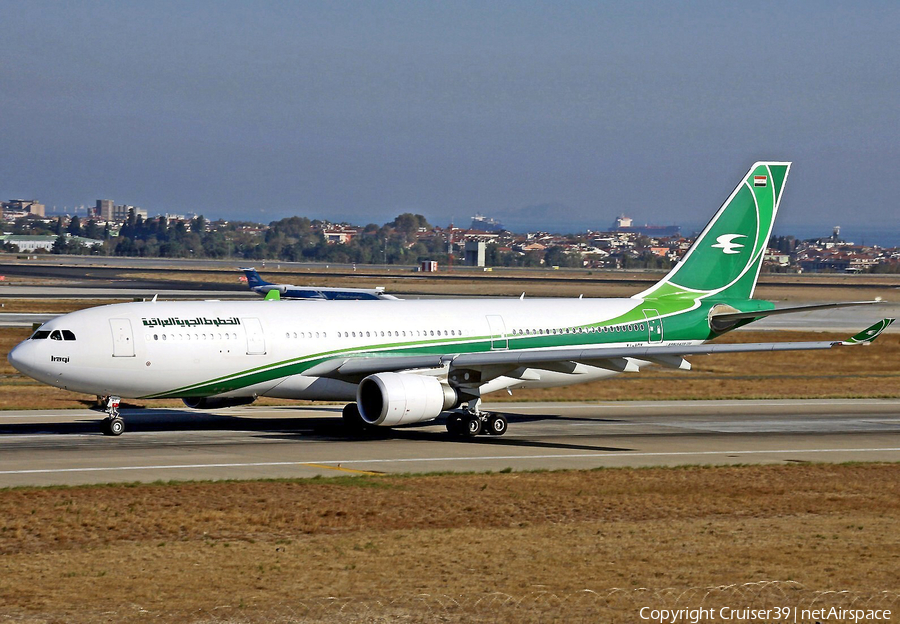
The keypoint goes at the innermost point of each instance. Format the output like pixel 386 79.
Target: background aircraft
pixel 289 291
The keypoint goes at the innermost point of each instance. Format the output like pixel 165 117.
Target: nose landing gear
pixel 113 424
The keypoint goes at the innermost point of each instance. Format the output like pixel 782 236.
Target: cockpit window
pixel 56 334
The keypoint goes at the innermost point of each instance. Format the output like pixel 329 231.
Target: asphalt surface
pixel 66 447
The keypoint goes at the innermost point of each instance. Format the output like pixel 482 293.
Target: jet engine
pixel 391 399
pixel 217 402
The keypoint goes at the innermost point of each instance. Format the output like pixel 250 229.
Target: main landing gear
pixel 113 424
pixel 471 422
pixel 353 420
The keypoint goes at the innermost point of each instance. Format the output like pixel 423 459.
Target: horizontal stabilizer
pixel 723 321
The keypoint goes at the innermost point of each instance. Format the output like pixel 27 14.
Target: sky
pixel 559 115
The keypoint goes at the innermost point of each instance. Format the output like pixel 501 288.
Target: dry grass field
pixel 520 547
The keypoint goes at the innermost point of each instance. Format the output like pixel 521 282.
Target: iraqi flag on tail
pixel 759 180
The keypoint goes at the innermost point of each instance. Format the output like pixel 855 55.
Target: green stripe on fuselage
pixel 684 319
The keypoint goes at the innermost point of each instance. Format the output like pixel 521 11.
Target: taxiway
pixel 65 447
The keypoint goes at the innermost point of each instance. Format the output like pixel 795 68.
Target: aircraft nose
pixel 21 358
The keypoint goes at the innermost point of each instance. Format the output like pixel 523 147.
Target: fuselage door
pixel 654 326
pixel 123 339
pixel 497 327
pixel 256 340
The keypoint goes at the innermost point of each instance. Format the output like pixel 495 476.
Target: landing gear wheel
pixel 113 426
pixel 497 425
pixel 456 425
pixel 353 420
pixel 473 426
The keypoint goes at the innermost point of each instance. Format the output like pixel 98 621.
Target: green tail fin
pixel 725 260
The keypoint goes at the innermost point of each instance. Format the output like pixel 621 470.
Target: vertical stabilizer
pixel 253 278
pixel 725 260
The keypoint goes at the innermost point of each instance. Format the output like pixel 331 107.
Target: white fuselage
pixel 246 348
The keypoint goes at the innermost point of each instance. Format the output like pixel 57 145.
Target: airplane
pixel 321 293
pixel 402 362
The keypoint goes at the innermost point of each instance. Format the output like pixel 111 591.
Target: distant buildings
pixel 106 210
pixel 16 208
pixel 28 243
pixel 475 251
pixel 340 234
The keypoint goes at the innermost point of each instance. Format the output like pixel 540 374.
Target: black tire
pixel 455 425
pixel 114 426
pixel 473 426
pixel 497 425
pixel 353 420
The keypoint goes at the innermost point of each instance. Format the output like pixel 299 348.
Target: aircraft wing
pixel 492 364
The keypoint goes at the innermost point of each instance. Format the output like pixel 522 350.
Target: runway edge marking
pixel 445 459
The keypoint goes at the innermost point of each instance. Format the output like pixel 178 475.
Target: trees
pixel 74 227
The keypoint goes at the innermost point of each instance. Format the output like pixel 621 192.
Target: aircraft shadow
pixel 327 427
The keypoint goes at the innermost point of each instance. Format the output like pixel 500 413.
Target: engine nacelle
pixel 216 402
pixel 391 399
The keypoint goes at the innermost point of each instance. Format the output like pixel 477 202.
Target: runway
pixel 65 447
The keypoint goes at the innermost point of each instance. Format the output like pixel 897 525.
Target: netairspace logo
pixel 795 615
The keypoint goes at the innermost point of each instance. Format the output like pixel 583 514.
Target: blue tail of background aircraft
pixel 253 278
